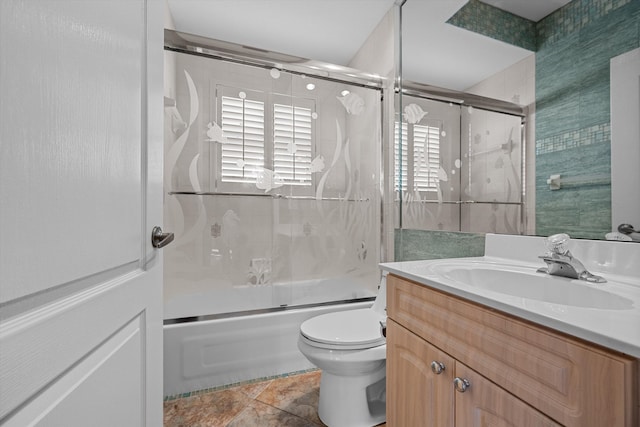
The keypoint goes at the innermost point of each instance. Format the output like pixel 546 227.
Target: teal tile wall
pixel 582 211
pixel 573 134
pixel 411 245
pixel 495 23
pixel 572 18
pixel 571 139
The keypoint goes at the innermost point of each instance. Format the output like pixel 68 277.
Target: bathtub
pixel 207 351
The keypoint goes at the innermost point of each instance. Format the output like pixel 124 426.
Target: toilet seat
pixel 344 330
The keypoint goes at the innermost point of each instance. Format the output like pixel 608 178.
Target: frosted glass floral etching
pixel 193 174
pixel 309 242
pixel 362 251
pixel 184 234
pixel 347 163
pixel 230 230
pixel 413 113
pixel 215 134
pixel 307 228
pixel 317 164
pixel 267 180
pixel 479 160
pixel 492 173
pixel 334 161
pixel 216 230
pixel 174 152
pixel 178 124
pixel 353 103
pixel 259 271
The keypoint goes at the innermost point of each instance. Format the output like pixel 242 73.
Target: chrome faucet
pixel 628 230
pixel 560 261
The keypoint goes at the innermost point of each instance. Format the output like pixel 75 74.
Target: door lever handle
pixel 160 239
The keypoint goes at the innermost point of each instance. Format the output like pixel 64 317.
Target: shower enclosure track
pixel 205 317
pixel 273 196
pixel 463 202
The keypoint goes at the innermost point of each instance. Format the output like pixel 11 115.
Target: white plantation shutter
pixel 264 132
pixel 242 122
pixel 292 144
pixel 426 155
pixel 420 172
pixel 405 153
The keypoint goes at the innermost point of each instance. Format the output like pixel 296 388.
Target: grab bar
pixel 557 182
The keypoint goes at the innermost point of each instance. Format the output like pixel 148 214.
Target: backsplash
pixel 411 245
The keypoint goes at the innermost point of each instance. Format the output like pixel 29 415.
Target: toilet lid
pixel 349 328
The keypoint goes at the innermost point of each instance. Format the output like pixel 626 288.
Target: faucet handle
pixel 558 243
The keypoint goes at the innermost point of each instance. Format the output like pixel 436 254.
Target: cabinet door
pixel 416 396
pixel 485 404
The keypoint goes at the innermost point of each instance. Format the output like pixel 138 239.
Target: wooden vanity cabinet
pixel 519 374
pixel 416 396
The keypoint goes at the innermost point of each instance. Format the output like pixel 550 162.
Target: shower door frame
pixel 435 93
pixel 180 42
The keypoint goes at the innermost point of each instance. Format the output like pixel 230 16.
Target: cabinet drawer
pixel 575 384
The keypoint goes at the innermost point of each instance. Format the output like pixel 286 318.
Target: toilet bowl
pixel 350 350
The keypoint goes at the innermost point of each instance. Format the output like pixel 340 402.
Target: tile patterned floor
pixel 289 401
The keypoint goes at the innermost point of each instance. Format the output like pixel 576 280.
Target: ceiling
pixel 333 30
pixel 324 30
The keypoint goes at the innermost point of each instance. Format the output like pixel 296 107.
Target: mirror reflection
pixel 461 167
pixel 553 174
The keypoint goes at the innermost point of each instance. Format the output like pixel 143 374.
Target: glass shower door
pixel 272 187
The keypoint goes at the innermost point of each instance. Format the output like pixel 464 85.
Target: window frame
pixel 269 145
pixel 409 145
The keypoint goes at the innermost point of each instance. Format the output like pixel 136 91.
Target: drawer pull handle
pixel 461 384
pixel 437 367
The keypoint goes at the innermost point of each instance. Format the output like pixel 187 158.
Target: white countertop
pixel 616 327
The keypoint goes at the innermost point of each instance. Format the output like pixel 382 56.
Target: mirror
pixel 554 64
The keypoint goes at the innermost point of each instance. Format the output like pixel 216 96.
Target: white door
pixel 80 191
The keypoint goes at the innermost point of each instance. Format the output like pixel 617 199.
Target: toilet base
pixel 353 401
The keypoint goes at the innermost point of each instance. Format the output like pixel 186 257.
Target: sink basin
pixel 527 284
pixel 505 279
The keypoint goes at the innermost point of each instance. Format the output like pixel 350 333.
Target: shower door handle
pixel 160 239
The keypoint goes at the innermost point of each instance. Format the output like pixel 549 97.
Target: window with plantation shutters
pixel 420 150
pixel 426 155
pixel 292 144
pixel 401 149
pixel 243 153
pixel 264 131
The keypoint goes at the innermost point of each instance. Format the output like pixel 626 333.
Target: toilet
pixel 349 348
